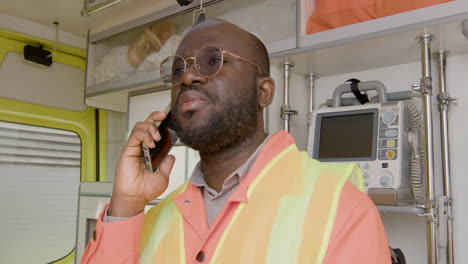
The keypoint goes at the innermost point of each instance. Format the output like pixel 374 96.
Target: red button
pixel 201 256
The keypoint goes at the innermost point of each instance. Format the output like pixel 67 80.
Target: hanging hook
pixel 201 17
pixel 56 23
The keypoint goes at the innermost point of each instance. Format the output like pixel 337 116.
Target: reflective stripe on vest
pixel 288 218
pixel 162 238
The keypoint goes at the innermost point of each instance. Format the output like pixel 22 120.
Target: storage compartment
pixel 128 61
pixel 376 43
pixel 326 23
pixel 321 15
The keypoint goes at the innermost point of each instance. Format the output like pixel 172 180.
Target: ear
pixel 265 92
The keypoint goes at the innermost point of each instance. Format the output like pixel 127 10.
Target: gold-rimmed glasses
pixel 208 62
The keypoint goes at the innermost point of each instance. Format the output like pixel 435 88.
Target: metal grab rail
pixel 286 110
pixel 443 104
pixel 425 89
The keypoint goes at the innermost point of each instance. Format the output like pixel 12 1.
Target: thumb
pixel 157 182
pixel 166 166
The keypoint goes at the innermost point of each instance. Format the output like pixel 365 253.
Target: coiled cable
pixel 418 160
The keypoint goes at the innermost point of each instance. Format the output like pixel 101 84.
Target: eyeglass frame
pixel 197 66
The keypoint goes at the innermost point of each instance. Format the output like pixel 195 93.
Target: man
pixel 253 198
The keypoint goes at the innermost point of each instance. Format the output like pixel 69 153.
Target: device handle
pixel 363 86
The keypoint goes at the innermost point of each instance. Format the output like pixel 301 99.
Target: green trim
pixel 167 216
pixel 181 238
pixel 356 177
pixel 11 41
pixel 5 33
pixel 68 259
pixel 102 145
pixel 82 123
pixel 165 220
pixel 241 206
pixel 350 171
pixel 286 233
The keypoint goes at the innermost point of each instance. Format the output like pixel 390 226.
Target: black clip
pixel 397 256
pixel 362 98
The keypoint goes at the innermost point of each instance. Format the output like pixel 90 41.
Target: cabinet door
pixel 321 15
pixel 129 60
pixel 339 21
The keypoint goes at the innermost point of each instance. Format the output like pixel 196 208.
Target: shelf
pixel 400 209
pixel 118 99
pixel 142 80
pixel 418 18
pixel 110 77
pixel 388 50
pixel 363 46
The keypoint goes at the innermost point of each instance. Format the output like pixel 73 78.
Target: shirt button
pixel 201 256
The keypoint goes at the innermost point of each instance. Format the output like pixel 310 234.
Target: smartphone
pixel 154 156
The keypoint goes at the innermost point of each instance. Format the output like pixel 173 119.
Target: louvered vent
pixel 32 146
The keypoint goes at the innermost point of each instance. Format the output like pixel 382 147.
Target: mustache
pixel 197 89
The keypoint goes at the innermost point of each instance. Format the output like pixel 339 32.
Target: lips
pixel 191 101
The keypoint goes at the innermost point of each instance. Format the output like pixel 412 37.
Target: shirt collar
pixel 232 180
pixel 275 144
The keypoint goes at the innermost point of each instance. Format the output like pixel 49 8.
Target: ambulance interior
pixel 378 83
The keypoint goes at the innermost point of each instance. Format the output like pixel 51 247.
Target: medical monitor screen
pixel 348 136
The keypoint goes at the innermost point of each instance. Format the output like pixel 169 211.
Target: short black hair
pixel 261 55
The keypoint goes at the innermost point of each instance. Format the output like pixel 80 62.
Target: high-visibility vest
pixel 288 218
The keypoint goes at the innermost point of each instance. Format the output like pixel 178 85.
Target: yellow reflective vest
pixel 294 199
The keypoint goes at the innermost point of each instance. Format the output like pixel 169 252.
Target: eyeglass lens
pixel 208 62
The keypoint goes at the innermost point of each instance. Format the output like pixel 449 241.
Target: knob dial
pixel 389 117
pixel 385 180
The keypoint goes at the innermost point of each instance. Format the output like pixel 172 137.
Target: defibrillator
pixel 381 138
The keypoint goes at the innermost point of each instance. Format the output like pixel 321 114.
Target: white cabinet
pixel 383 41
pixel 357 20
pixel 125 59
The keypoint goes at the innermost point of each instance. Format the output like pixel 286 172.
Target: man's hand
pixel 134 185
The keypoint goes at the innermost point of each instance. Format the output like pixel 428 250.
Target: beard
pixel 233 121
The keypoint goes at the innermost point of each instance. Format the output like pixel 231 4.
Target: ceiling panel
pixel 67 13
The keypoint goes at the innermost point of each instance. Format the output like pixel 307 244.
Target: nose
pixel 192 76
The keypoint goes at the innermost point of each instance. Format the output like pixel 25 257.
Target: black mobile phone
pixel 154 156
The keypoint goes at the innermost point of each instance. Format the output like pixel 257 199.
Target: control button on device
pixel 391 133
pixel 390 154
pixel 389 117
pixel 366 166
pixel 385 181
pixel 391 143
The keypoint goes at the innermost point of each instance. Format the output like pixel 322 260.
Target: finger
pixel 143 132
pixel 156 116
pixel 166 166
pixel 159 180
